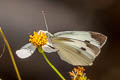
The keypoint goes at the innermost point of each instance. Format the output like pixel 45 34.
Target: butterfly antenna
pixel 45 20
pixel 3 51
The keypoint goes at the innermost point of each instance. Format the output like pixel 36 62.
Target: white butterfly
pixel 73 47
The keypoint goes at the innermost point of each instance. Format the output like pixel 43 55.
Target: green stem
pixel 11 54
pixel 52 66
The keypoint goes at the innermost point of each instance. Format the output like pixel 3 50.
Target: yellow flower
pixel 78 74
pixel 83 78
pixel 81 69
pixel 38 39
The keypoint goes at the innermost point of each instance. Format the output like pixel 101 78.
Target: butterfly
pixel 73 47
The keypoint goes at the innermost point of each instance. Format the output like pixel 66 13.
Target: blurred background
pixel 19 18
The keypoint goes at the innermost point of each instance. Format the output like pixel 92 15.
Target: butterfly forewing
pixel 94 38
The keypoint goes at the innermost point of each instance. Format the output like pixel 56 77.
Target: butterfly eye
pixel 49 35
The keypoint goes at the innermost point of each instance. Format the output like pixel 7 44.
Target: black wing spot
pixel 83 48
pixel 87 41
pixel 51 47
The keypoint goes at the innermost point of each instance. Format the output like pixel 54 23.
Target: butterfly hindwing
pixel 74 51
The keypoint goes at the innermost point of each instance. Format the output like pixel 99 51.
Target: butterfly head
pixel 48 34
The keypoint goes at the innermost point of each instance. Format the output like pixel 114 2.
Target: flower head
pixel 78 74
pixel 39 39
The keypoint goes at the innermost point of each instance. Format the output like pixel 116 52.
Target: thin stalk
pixel 52 66
pixel 11 54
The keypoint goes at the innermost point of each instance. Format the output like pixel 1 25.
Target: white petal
pixel 49 48
pixel 26 51
pixel 23 53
